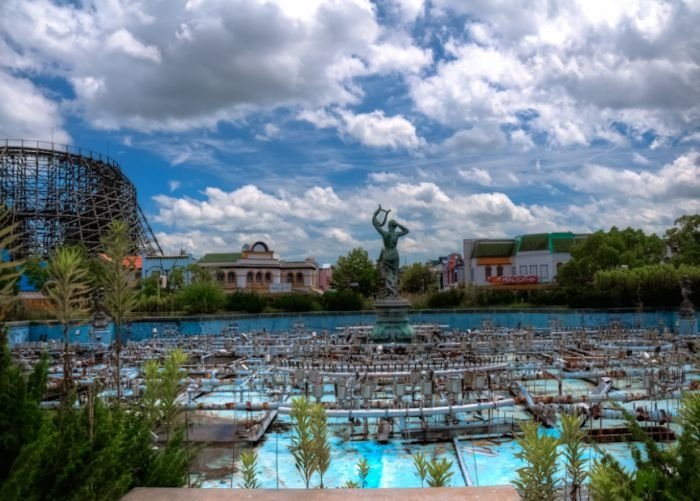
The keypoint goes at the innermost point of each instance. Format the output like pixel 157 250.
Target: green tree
pixel 249 462
pixel 420 462
pixel 36 272
pixel 536 479
pixel 120 296
pixel 356 272
pixel 68 288
pixel 417 278
pixel 439 473
pixel 684 240
pixel 177 278
pixel 342 300
pixel 202 297
pixel 163 382
pixel 20 413
pixel 572 438
pixel 199 274
pixel 10 268
pixel 322 447
pixel 303 446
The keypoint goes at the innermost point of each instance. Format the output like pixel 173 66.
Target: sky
pixel 290 121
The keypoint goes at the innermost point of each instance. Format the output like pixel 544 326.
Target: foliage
pixel 36 272
pixel 162 387
pixel 446 299
pixel 93 453
pixel 421 464
pixel 536 480
pixel 439 473
pixel 20 414
pixel 417 278
pixel 303 446
pixel 684 240
pixel 158 304
pixel 249 462
pixel 342 300
pixel 199 274
pixel 572 438
pixel 250 302
pixel 295 302
pixel 363 471
pixel 9 268
pixel 68 289
pixel 669 472
pixel 202 297
pixel 356 272
pixel 351 484
pixel 322 448
pixel 177 278
pixel 608 250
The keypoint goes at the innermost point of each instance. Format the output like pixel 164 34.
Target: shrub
pixel 250 302
pixel 446 299
pixel 342 300
pixel 295 303
pixel 202 297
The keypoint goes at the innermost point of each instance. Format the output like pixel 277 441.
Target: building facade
pixel 257 269
pixel 527 260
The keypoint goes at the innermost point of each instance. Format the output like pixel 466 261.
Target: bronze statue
pixel 389 257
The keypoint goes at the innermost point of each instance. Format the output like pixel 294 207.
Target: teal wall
pixel 455 319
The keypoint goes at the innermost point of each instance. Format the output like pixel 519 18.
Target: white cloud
pixel 375 129
pixel 476 175
pixel 640 159
pixel 124 41
pixel 174 184
pixel 485 135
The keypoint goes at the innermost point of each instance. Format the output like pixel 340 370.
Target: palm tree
pixel 68 289
pixel 119 293
pixel 9 268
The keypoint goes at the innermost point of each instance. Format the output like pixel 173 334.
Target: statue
pixel 687 308
pixel 389 257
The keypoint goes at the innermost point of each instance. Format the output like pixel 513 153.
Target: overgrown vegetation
pixel 309 446
pixel 535 480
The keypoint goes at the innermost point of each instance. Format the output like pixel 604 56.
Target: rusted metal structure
pixel 63 195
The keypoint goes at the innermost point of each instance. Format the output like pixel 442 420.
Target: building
pixel 325 277
pixel 257 269
pixel 452 270
pixel 164 265
pixel 524 260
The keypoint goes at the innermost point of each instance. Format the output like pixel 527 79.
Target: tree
pixel 421 464
pixel 10 269
pixel 572 438
pixel 249 462
pixel 36 272
pixel 684 240
pixel 356 272
pixel 322 448
pixel 202 297
pixel 120 297
pixel 342 300
pixel 303 446
pixel 68 288
pixel 177 278
pixel 199 274
pixel 163 383
pixel 417 278
pixel 536 480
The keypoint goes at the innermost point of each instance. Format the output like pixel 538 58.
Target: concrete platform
pixel 497 493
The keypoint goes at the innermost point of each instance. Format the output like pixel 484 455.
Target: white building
pixel 526 260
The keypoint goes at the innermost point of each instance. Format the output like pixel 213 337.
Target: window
pixel 258 277
pixel 499 271
pixel 544 271
pixel 219 276
pixel 512 271
pixel 268 277
pixel 559 265
pixel 290 278
pixel 300 277
pixel 488 272
pixel 231 277
pixel 249 278
pixel 523 270
pixel 533 269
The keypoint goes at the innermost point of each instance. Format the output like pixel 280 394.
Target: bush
pixel 250 302
pixel 155 304
pixel 342 300
pixel 295 303
pixel 202 297
pixel 446 299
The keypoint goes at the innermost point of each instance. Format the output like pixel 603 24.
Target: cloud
pixel 174 184
pixel 482 136
pixel 475 175
pixel 123 41
pixel 375 129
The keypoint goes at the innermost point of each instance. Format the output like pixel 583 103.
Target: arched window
pixel 559 265
pixel 219 276
pixel 231 277
pixel 499 271
pixel 300 277
pixel 268 277
pixel 258 277
pixel 249 277
pixel 488 271
pixel 290 278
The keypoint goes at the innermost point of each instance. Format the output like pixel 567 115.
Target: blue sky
pixel 289 121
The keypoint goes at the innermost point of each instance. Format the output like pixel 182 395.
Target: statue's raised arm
pixel 375 219
pixel 389 257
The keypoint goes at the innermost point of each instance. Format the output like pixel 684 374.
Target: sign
pixel 277 288
pixel 514 280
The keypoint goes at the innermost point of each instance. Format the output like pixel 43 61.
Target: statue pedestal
pixel 687 326
pixel 392 321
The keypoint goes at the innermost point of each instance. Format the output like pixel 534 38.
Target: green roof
pixel 553 242
pixel 494 248
pixel 221 257
pixel 535 242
